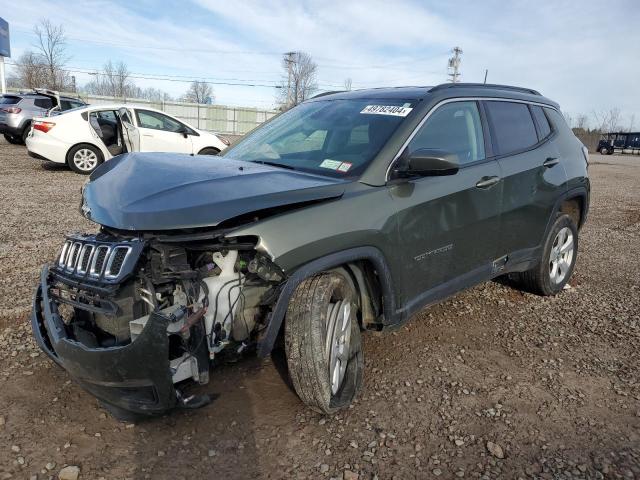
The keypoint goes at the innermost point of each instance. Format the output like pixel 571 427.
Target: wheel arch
pixel 208 148
pixel 360 263
pixel 564 202
pixel 67 158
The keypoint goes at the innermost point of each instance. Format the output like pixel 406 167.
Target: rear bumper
pixel 135 377
pixel 47 148
pixel 10 130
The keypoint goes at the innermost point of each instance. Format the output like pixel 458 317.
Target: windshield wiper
pixel 274 164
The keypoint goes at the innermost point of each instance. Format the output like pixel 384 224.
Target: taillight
pixel 12 110
pixel 585 152
pixel 43 126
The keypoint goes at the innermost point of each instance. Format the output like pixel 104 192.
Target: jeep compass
pixel 346 214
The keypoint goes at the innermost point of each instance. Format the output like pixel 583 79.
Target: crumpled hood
pixel 164 191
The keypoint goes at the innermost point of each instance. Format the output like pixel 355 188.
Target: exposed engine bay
pixel 214 296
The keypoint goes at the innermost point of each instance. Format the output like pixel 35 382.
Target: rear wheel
pixel 84 159
pixel 558 259
pixel 25 133
pixel 11 139
pixel 323 343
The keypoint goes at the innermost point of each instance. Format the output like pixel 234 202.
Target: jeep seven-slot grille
pixel 93 260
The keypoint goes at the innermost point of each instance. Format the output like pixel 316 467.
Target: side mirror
pixel 428 162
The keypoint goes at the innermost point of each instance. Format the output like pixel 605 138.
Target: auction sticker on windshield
pixel 395 110
pixel 336 165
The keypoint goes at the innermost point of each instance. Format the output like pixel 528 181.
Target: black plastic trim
pixel 322 264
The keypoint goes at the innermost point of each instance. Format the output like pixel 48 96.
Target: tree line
pixel 45 66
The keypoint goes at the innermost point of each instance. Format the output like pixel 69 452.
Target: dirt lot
pixel 553 383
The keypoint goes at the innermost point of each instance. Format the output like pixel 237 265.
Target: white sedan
pixel 85 137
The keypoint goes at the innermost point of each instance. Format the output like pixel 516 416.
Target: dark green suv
pixel 347 213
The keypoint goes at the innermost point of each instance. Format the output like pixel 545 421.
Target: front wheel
pixel 209 151
pixel 84 159
pixel 558 259
pixel 604 151
pixel 323 343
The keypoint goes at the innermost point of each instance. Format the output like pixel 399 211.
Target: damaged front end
pixel 135 318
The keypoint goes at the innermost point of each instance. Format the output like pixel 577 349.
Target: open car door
pixel 130 133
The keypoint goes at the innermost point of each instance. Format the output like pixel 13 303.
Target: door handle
pixel 147 135
pixel 487 182
pixel 550 162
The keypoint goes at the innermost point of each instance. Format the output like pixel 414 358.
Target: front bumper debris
pixel 135 378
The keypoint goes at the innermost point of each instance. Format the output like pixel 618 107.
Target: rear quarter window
pixel 9 100
pixel 544 129
pixel 45 103
pixel 513 126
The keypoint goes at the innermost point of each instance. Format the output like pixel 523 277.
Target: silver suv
pixel 18 109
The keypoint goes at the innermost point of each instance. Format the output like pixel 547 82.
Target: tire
pixel 209 151
pixel 318 302
pixel 84 158
pixel 604 151
pixel 25 134
pixel 11 139
pixel 557 262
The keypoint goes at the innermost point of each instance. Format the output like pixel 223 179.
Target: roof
pixel 444 90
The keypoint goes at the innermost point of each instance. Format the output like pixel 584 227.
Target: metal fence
pixel 215 118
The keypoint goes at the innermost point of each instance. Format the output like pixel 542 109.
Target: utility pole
pixel 289 61
pixel 454 65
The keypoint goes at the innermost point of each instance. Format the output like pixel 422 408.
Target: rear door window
pixel 544 129
pixel 453 128
pixel 512 126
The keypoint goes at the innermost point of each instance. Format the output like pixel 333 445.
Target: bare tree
pixel 199 92
pixel 155 95
pixel 299 82
pixel 51 46
pixel 347 84
pixel 114 81
pixel 607 121
pixel 581 122
pixel 30 72
pixel 632 120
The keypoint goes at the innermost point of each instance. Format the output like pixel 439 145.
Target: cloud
pixel 580 54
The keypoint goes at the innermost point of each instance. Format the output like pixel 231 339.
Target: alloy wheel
pixel 561 256
pixel 85 159
pixel 338 341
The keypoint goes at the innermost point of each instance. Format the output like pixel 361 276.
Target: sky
pixel 582 54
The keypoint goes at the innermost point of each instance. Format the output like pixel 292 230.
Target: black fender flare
pixel 582 192
pixel 372 254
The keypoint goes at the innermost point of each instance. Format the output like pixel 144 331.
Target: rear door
pixel 161 133
pixel 130 132
pixel 449 225
pixel 532 171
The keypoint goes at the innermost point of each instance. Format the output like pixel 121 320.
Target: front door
pixel 448 226
pixel 161 133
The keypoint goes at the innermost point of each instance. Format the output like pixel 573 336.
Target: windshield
pixel 329 137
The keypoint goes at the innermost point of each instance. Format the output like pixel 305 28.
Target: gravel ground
pixel 492 383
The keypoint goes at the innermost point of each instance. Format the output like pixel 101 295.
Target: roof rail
pixel 442 86
pixel 328 93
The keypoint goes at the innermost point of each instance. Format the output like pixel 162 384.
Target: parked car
pixel 346 214
pixel 17 111
pixel 84 138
